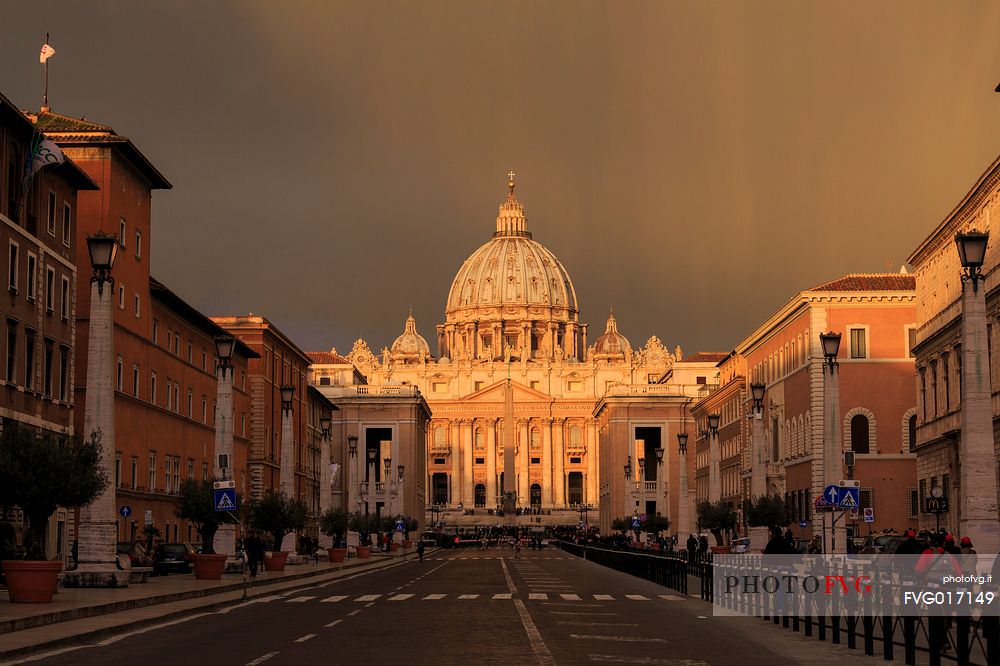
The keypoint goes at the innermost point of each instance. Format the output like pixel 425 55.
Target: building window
pixel 204 471
pixel 574 436
pixel 190 404
pixel 29 359
pixel 50 215
pixel 535 385
pixel 64 299
pixel 912 438
pixel 859 345
pixel 204 409
pixel 177 398
pixel 135 380
pixel 138 245
pixel 324 381
pixel 190 473
pixel 135 471
pixel 190 354
pixel 699 380
pixel 152 471
pixel 67 231
pixel 121 232
pixel 118 374
pixel 574 386
pixel 177 345
pixel 574 460
pixel 536 438
pixel 913 503
pixel 911 340
pixel 204 360
pixel 169 394
pixel 118 470
pixel 121 296
pixel 49 359
pixel 50 290
pixel 64 373
pixel 859 434
pixel 138 306
pixel 32 266
pixel 480 461
pixel 439 387
pixel 156 332
pixel 152 387
pixel 478 386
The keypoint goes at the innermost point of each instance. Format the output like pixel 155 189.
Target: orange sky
pixel 692 164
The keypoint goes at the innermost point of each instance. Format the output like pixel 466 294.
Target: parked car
pixel 135 552
pixel 172 557
pixel 740 545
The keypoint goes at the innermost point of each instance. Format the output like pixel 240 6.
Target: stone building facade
pixel 938 349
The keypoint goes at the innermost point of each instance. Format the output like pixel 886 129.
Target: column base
pixel 96 576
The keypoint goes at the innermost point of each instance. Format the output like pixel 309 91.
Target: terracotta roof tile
pixel 56 122
pixel 870 282
pixel 327 358
pixel 705 357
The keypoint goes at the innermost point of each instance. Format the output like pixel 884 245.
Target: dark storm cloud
pixel 693 165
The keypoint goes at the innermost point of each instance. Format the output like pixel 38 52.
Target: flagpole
pixel 45 98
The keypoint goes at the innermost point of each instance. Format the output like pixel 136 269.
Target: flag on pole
pixel 47 153
pixel 47 52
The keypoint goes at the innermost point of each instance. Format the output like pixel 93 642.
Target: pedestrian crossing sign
pixel 850 498
pixel 225 499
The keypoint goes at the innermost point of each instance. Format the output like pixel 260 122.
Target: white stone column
pixel 590 483
pixel 455 482
pixel 978 501
pixel 225 538
pixel 834 539
pixel 558 468
pixel 547 463
pixel 468 490
pixel 683 500
pixel 523 454
pixel 758 470
pixel 97 533
pixel 325 494
pixel 491 464
pixel 287 479
pixel 714 459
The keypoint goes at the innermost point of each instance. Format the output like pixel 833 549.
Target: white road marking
pixel 538 596
pixel 261 600
pixel 368 597
pixel 303 639
pixel 401 597
pixel 621 639
pixel 542 654
pixel 702 617
pixel 579 613
pixel 299 600
pixel 115 639
pixel 636 597
pixel 604 597
pixel 621 659
pixel 333 600
pixel 510 581
pixel 46 655
pixel 354 612
pixel 333 624
pixel 598 624
pixel 571 597
pixel 261 660
pixel 468 596
pixel 434 596
pixel 369 604
pixel 503 595
pixel 670 597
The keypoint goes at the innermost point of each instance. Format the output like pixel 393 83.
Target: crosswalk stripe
pixel 538 596
pixel 333 600
pixel 570 597
pixel 468 596
pixel 502 595
pixel 434 596
pixel 400 597
pixel 636 597
pixel 298 600
pixel 670 597
pixel 368 597
pixel 604 597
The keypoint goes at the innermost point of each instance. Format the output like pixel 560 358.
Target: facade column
pixel 758 470
pixel 714 460
pixel 977 516
pixel 455 482
pixel 522 463
pixel 591 483
pixel 468 490
pixel 225 537
pixel 97 534
pixel 559 459
pixel 547 463
pixel 325 492
pixel 287 481
pixel 683 506
pixel 491 464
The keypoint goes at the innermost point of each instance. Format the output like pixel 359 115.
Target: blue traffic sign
pixel 850 498
pixel 399 525
pixel 831 495
pixel 635 523
pixel 803 524
pixel 125 511
pixel 225 499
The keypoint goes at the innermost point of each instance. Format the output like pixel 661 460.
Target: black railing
pixel 667 571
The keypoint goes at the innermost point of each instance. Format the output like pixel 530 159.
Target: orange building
pixel 165 367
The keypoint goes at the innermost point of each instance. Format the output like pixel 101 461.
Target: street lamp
pixel 758 477
pixel 682 442
pixel 713 423
pixel 103 250
pixel 714 459
pixel 287 394
pixel 388 464
pixel 977 507
pixel 324 424
pixel 682 507
pixel 224 345
pixel 831 347
pixel 757 394
pixel 352 445
pixel 628 469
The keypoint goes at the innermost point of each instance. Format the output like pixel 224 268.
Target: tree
pixel 277 515
pixel 411 525
pixel 333 523
pixel 364 524
pixel 716 518
pixel 40 472
pixel 198 507
pixel 149 533
pixel 768 511
pixel 656 524
pixel 621 524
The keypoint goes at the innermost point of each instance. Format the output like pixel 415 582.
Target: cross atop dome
pixel 510 181
pixel 510 221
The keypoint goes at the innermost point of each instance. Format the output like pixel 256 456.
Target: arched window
pixel 913 432
pixel 536 438
pixel 440 438
pixel 536 495
pixel 480 439
pixel 574 436
pixel 480 495
pixel 859 433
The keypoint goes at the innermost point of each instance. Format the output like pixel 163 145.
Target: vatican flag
pixel 47 52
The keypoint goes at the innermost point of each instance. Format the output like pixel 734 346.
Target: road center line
pixel 621 659
pixel 542 654
pixel 261 660
pixel 620 639
pixel 506 574
pixel 355 612
pixel 303 639
pixel 333 624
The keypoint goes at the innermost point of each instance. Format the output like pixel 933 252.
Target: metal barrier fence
pixel 663 570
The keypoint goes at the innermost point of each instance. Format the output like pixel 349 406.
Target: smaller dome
pixel 612 343
pixel 410 345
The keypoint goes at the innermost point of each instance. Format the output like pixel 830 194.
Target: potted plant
pixel 277 515
pixel 334 523
pixel 387 527
pixel 411 526
pixel 38 473
pixel 717 518
pixel 197 506
pixel 764 514
pixel 362 523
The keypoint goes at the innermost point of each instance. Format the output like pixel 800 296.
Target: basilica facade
pixel 511 313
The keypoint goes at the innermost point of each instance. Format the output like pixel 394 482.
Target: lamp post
pixel 372 454
pixel 714 459
pixel 352 472
pixel 642 485
pixel 830 461
pixel 325 494
pixel 629 507
pixel 683 508
pixel 399 489
pixel 977 507
pixel 658 451
pixel 758 475
pixel 287 477
pixel 225 537
pixel 97 532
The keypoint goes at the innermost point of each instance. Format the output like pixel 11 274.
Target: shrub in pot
pixel 197 506
pixel 364 524
pixel 277 515
pixel 38 473
pixel 333 523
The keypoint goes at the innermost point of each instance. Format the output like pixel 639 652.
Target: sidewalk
pixel 85 613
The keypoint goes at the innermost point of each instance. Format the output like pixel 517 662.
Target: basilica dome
pixel 612 343
pixel 410 346
pixel 512 269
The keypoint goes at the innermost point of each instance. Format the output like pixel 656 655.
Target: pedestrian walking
pixel 420 550
pixel 692 547
pixel 255 552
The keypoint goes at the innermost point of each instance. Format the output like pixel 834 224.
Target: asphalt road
pixel 466 606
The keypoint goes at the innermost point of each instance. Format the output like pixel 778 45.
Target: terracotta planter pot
pixel 337 554
pixel 408 543
pixel 364 552
pixel 30 582
pixel 720 549
pixel 209 567
pixel 277 560
pixel 393 547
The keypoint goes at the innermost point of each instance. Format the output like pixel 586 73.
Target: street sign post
pixel 832 495
pixel 399 525
pixel 803 524
pixel 225 498
pixel 125 511
pixel 850 498
pixel 869 514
